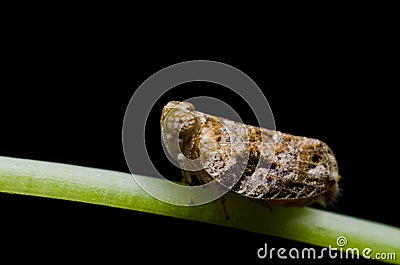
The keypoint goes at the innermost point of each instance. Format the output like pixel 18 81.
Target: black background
pixel 63 98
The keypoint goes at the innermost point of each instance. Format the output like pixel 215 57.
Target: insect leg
pixel 203 177
pixel 187 179
pixel 222 200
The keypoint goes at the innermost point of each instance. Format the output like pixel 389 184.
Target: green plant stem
pixel 116 189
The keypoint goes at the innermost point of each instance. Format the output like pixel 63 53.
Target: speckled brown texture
pixel 255 162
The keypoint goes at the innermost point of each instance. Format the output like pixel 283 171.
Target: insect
pixel 262 164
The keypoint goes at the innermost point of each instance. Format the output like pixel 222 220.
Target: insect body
pixel 258 163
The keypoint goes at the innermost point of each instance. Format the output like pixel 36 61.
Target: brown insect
pixel 262 164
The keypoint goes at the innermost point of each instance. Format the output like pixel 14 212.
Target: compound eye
pixel 181 121
pixel 171 109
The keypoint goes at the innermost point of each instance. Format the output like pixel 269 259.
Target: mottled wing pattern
pixel 257 162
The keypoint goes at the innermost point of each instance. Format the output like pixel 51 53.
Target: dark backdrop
pixel 63 99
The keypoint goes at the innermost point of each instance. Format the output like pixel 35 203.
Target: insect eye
pixel 181 121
